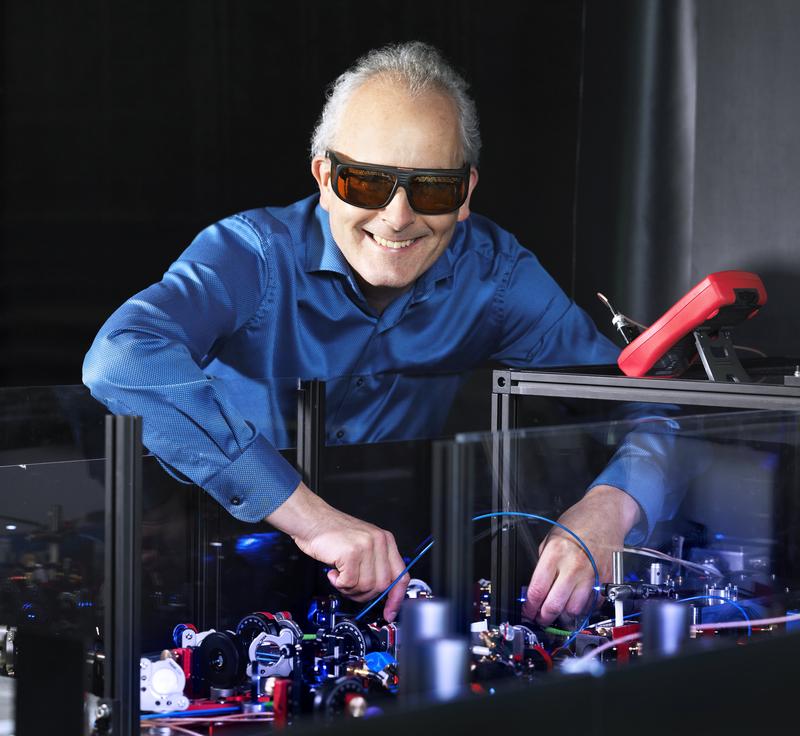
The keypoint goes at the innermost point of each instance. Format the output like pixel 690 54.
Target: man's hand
pixel 562 582
pixel 364 557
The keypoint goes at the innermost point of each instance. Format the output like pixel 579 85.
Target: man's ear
pixel 463 211
pixel 321 171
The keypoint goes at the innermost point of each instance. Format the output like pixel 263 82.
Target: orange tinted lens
pixel 437 194
pixel 363 187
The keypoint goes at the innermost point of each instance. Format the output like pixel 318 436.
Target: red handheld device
pixel 721 300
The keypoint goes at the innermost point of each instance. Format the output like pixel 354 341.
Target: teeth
pixel 396 244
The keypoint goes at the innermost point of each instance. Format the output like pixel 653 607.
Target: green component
pixel 557 632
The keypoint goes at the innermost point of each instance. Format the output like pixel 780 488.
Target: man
pixel 385 271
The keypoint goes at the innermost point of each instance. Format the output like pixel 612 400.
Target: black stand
pixel 718 355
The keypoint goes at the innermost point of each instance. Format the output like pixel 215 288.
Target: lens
pixel 434 195
pixel 363 187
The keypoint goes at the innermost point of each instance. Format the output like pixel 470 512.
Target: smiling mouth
pixel 391 244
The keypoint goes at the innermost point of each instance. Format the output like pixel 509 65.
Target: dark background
pixel 634 146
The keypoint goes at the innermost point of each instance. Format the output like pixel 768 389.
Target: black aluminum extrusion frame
pixel 119 710
pixel 310 430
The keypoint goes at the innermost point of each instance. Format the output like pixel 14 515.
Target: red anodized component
pixel 280 701
pixel 624 649
pixel 183 656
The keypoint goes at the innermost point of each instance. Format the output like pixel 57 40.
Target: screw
pixel 103 711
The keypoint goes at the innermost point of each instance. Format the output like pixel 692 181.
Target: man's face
pixel 391 247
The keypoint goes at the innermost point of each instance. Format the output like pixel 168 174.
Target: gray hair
pixel 420 67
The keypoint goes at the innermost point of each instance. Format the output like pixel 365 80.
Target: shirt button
pixel 360 381
pixel 340 434
pixel 236 501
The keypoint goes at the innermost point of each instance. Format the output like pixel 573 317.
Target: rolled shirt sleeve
pixel 148 360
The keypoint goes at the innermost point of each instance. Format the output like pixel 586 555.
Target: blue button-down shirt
pixel 209 355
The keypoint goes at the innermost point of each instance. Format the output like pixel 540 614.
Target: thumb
pixel 333 576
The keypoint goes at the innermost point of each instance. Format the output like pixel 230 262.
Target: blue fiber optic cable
pixel 396 580
pixel 191 713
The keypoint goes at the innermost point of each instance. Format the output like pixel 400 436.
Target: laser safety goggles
pixel 429 191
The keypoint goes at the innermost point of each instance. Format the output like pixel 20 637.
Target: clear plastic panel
pixel 722 538
pixel 366 408
pixel 52 545
pixel 52 511
pixel 50 423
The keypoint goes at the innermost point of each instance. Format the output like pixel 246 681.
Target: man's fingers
pixel 561 583
pixel 555 602
pixel 366 571
pixel 382 565
pixel 539 587
pixel 357 564
pixel 578 602
pixel 395 598
pixel 364 557
pixel 347 577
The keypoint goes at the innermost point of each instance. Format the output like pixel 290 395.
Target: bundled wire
pixel 657 554
pixel 200 713
pixel 699 627
pixel 749 623
pixel 178 720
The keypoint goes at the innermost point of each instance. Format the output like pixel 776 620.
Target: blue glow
pixel 719 535
pixel 256 544
pixel 770 461
pixel 379 661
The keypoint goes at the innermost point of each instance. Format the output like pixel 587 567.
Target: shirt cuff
pixel 254 484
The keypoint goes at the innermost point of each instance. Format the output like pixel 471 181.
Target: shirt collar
pixel 322 254
pixel 441 269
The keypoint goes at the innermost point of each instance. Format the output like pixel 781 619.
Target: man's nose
pixel 398 213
